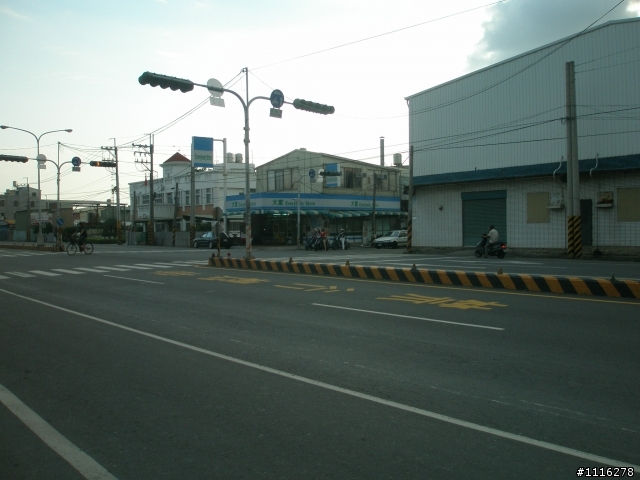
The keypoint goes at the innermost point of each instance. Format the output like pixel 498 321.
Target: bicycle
pixel 72 247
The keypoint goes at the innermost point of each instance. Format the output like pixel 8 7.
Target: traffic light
pixel 155 80
pixel 13 158
pixel 312 106
pixel 102 164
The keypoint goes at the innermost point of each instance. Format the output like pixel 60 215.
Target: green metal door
pixel 481 209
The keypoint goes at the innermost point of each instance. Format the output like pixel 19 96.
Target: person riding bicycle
pixel 81 233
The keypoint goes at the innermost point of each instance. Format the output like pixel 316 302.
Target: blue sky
pixel 75 64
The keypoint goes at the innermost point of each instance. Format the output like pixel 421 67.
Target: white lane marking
pixel 72 272
pixel 400 406
pixel 116 269
pixel 134 279
pixel 93 270
pixel 407 316
pixel 152 265
pixel 46 274
pixel 133 266
pixel 174 264
pixel 79 460
pixel 3 278
pixel 20 274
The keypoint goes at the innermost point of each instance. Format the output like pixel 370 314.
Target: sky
pixel 74 64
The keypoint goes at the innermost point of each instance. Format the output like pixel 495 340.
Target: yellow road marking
pixel 446 302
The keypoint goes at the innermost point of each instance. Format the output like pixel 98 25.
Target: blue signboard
pixel 312 173
pixel 202 152
pixel 75 161
pixel 277 98
pixel 60 222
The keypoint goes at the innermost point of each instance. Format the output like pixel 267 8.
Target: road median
pixel 531 283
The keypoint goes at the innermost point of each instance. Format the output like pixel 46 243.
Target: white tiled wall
pixel 435 227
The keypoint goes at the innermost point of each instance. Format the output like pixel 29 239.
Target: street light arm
pixel 257 98
pixel 68 130
pixel 4 127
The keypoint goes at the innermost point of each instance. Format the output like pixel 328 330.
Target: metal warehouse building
pixel 491 147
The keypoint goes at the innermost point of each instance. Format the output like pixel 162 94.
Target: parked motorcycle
pixel 337 245
pixel 313 243
pixel 498 249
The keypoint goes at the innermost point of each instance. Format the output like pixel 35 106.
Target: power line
pixel 376 36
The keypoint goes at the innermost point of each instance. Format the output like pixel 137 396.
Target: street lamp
pixel 40 240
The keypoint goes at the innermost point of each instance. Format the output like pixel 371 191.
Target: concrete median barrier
pixel 530 283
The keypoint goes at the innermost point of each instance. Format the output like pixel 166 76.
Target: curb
pixel 531 283
pixel 43 248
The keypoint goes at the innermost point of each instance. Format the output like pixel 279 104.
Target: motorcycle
pixel 498 249
pixel 313 243
pixel 337 245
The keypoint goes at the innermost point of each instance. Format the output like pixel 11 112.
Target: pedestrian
pixel 323 238
pixel 342 237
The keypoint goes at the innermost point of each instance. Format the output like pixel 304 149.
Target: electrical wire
pixel 377 36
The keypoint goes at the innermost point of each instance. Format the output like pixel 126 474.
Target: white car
pixel 393 239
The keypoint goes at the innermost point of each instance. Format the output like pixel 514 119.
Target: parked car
pixel 393 239
pixel 210 240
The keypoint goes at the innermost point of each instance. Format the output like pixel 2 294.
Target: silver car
pixel 393 239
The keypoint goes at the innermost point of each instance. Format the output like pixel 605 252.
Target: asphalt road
pixel 140 363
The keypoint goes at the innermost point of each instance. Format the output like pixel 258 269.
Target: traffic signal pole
pixel 184 85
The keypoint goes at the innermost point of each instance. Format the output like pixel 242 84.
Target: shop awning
pixel 348 213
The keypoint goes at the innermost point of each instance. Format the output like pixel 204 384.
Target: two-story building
pixel 172 193
pixel 308 190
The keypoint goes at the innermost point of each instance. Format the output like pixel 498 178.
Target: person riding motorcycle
pixel 492 238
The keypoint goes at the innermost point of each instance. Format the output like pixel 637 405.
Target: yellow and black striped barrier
pixel 150 234
pixel 530 283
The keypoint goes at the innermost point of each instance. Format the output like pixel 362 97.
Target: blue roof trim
pixel 484 195
pixel 307 196
pixel 610 164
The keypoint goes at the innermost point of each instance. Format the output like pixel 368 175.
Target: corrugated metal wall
pixel 459 127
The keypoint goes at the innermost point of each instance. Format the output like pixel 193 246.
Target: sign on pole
pixel 202 152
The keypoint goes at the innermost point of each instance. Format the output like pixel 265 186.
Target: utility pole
pixel 410 206
pixel 574 230
pixel 192 208
pixel 382 151
pixel 28 212
pixel 373 216
pixel 114 151
pixel 151 224
pixel 175 215
pixel 133 219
